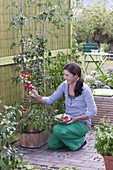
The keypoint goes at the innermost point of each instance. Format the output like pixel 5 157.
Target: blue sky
pixel 108 2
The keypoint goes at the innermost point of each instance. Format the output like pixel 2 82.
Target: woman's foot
pixel 84 143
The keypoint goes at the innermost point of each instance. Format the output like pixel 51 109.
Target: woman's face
pixel 70 77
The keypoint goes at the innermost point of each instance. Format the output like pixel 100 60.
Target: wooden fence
pixel 9 93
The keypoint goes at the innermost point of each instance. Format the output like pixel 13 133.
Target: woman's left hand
pixel 71 121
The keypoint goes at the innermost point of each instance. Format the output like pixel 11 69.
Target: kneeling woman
pixel 79 105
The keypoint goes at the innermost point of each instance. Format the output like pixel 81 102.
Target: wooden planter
pixel 33 139
pixel 104 108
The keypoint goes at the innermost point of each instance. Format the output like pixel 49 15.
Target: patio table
pixel 98 58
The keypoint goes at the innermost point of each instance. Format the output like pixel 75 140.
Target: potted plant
pixel 35 119
pixel 34 125
pixel 31 62
pixel 10 158
pixel 103 134
pixel 102 88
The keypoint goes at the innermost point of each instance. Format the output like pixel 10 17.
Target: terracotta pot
pixel 108 162
pixel 33 140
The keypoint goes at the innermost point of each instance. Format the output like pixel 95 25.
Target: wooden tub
pixel 104 108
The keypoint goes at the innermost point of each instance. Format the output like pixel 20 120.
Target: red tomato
pixel 27 71
pixel 24 108
pixel 21 71
pixel 27 77
pixel 27 85
pixel 31 87
pixel 23 75
pixel 65 118
pixel 27 96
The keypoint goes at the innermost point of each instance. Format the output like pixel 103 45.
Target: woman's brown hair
pixel 74 68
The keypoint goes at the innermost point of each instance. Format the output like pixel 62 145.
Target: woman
pixel 80 106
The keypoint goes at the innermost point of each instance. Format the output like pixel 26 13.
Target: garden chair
pixel 91 55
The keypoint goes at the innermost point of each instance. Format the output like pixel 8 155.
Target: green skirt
pixel 68 135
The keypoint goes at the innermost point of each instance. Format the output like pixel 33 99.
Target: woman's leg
pixel 71 135
pixel 55 143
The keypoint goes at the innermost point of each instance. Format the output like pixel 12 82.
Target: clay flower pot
pixel 108 162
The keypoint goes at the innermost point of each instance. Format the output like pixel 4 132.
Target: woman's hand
pixel 71 121
pixel 34 93
pixel 82 117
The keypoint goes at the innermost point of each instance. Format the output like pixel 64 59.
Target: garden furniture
pixel 92 55
pixel 98 58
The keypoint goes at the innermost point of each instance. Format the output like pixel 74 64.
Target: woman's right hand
pixel 34 94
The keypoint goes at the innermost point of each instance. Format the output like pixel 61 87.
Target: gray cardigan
pixel 83 104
